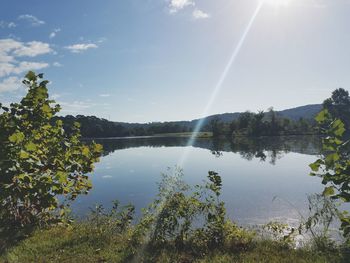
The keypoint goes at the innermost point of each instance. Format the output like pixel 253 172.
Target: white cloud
pixel 11 50
pixel 10 84
pixel 11 25
pixel 104 95
pixel 101 40
pixel 32 49
pixel 54 32
pixel 176 5
pixel 4 24
pixel 78 48
pixel 26 66
pixel 29 49
pixel 18 68
pixel 57 64
pixel 199 14
pixel 33 20
pixel 7 45
pixel 6 69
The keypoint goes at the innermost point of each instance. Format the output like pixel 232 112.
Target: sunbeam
pixel 218 86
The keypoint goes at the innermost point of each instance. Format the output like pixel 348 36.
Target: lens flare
pixel 218 86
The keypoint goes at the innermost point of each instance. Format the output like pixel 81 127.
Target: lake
pixel 263 179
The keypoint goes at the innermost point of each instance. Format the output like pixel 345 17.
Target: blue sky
pixel 157 60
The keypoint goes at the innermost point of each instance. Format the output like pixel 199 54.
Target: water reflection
pixel 264 148
pixel 131 168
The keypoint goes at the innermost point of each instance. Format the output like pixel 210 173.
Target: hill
pixel 306 112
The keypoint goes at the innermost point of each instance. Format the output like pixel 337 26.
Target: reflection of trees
pixel 111 145
pixel 274 148
pixel 265 148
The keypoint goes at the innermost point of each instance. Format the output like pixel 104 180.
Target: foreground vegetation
pixel 183 224
pixel 86 242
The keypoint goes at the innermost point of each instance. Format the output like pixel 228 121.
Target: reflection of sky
pixel 130 175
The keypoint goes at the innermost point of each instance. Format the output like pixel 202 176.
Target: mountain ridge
pixel 306 111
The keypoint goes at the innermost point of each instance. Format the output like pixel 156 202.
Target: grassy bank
pixel 84 242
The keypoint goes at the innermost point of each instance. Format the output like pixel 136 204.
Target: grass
pixel 84 242
pixel 69 244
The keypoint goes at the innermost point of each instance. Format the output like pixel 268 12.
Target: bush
pixel 333 166
pixel 39 161
pixel 192 219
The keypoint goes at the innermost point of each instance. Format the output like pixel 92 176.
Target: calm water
pixel 253 173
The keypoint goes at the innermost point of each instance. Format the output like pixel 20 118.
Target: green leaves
pixel 40 159
pixel 30 76
pixel 316 165
pixel 338 127
pixel 62 177
pixel 23 155
pixel 98 148
pixel 331 158
pixel 328 191
pixel 17 137
pixel 334 165
pixel 322 116
pixel 85 151
pixel 30 147
pixel 46 109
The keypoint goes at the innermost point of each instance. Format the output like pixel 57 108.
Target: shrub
pixel 39 161
pixel 333 166
pixel 192 219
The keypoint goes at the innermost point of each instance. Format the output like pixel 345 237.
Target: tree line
pixel 247 124
pixel 94 127
pixel 261 124
pixel 271 124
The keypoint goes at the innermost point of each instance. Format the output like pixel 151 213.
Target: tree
pixel 334 164
pixel 39 161
pixel 244 119
pixel 338 105
pixel 255 126
pixel 216 127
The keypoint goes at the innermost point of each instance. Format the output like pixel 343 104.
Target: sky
pixel 162 60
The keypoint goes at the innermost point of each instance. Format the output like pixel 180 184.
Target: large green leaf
pixel 30 146
pixel 17 137
pixel 328 191
pixel 321 117
pixel 31 76
pixel 23 155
